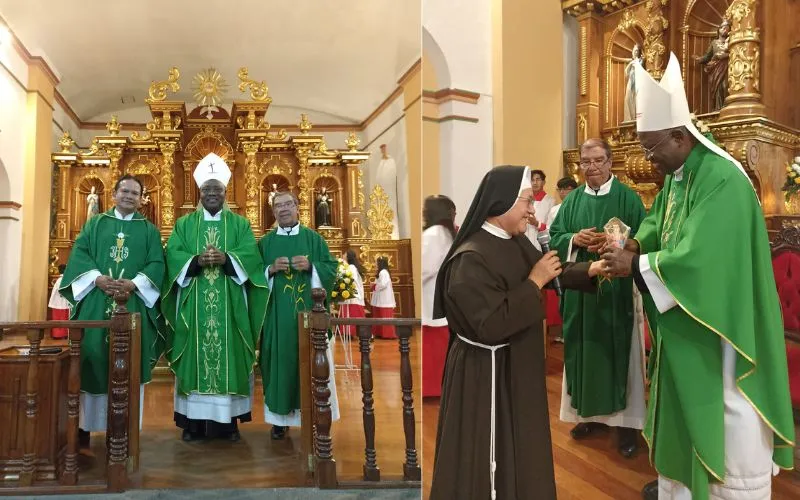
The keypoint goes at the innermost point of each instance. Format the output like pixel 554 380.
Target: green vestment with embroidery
pixel 213 322
pixel 597 327
pixel 121 248
pixel 291 294
pixel 706 239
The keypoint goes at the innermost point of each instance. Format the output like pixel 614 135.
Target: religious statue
pixel 715 61
pixel 629 110
pixel 146 207
pixel 92 204
pixel 386 177
pixel 271 195
pixel 323 208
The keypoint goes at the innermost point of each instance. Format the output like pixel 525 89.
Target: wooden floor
pixel 257 461
pixel 586 470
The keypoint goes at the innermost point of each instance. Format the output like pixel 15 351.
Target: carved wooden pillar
pixel 590 46
pixel 251 184
pixel 320 374
pixel 655 50
pixel 114 155
pixel 356 198
pixel 119 365
pixel 302 153
pixel 31 409
pixel 167 186
pixel 744 46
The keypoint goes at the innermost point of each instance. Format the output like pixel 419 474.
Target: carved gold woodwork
pixel 352 141
pixel 302 153
pixel 251 184
pixel 258 90
pixel 304 125
pixel 167 185
pixel 52 268
pixel 114 155
pixel 158 90
pixel 380 215
pixel 744 63
pixel 113 126
pixel 66 143
pixel 654 47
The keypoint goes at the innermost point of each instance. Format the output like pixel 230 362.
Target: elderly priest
pixel 214 299
pixel 117 251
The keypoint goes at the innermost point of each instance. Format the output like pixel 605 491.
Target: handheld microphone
pixel 544 241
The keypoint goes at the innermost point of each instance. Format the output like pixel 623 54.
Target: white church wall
pixel 461 40
pixel 389 128
pixel 13 141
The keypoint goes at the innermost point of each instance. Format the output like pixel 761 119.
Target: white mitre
pixel 212 167
pixel 663 105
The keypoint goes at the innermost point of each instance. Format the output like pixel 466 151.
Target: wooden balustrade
pixel 324 466
pixel 64 477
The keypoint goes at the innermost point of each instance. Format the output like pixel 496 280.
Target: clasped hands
pixel 615 262
pixel 211 257
pixel 298 262
pixel 110 286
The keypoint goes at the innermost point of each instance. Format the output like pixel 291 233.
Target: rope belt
pixel 492 462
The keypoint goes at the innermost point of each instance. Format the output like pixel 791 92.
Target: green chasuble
pixel 213 326
pixel 291 294
pixel 597 327
pixel 706 239
pixel 128 247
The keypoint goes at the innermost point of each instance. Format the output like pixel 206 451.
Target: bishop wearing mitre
pixel 214 301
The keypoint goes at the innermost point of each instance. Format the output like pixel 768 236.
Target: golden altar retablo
pixel 262 160
pixel 759 118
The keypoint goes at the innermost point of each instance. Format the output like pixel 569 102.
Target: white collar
pixel 604 189
pixel 123 217
pixel 293 231
pixel 677 175
pixel 207 215
pixel 495 231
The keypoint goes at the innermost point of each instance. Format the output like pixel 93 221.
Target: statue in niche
pixel 629 110
pixel 386 177
pixel 146 207
pixel 271 195
pixel 715 61
pixel 323 211
pixel 92 204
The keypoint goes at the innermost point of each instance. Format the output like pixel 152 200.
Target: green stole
pixel 108 244
pixel 291 294
pixel 722 293
pixel 597 327
pixel 213 325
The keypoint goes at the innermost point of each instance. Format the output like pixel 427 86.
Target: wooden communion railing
pixel 315 398
pixel 57 472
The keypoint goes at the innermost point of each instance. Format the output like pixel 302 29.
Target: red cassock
pixel 435 340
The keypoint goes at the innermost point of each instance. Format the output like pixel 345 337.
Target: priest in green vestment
pixel 297 260
pixel 603 382
pixel 117 251
pixel 214 299
pixel 720 418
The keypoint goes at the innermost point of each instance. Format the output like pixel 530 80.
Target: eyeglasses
pixel 285 204
pixel 212 190
pixel 648 153
pixel 530 200
pixel 594 162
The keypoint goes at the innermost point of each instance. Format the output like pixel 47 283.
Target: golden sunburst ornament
pixel 209 88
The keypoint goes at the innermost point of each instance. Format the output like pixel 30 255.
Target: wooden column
pixel 119 365
pixel 744 64
pixel 590 55
pixel 371 470
pixel 302 153
pixel 31 409
pixel 69 476
pixel 167 187
pixel 251 185
pixel 320 375
pixel 411 470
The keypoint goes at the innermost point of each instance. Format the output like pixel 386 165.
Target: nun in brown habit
pixel 493 439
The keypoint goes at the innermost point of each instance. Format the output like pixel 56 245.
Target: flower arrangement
pixel 344 287
pixel 792 185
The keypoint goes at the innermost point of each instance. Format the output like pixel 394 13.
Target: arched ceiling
pixel 339 59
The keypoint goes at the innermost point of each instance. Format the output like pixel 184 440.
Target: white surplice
pixel 293 419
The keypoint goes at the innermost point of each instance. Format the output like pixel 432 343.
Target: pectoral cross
pixel 211 166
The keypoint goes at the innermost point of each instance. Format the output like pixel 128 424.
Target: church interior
pixel 291 102
pixel 525 83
